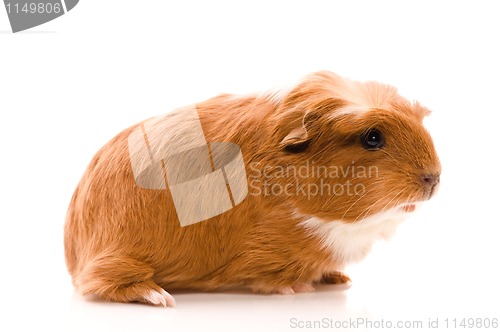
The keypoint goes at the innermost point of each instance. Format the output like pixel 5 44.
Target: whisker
pixel 352 205
pixel 366 211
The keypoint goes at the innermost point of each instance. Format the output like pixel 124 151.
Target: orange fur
pixel 122 241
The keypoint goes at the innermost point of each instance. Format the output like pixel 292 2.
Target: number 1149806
pixel 34 8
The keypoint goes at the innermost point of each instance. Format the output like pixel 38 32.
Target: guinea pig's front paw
pixel 337 278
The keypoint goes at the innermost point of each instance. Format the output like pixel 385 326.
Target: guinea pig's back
pixel 99 214
pixel 110 214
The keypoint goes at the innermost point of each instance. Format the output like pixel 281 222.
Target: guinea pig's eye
pixel 372 140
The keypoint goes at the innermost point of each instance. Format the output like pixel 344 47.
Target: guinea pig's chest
pixel 350 242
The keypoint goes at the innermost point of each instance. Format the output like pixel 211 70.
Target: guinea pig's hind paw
pixel 159 298
pixel 303 288
pixel 284 290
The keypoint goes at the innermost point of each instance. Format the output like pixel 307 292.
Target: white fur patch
pixel 352 109
pixel 277 94
pixel 360 96
pixel 350 242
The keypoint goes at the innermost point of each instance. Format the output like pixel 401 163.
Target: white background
pixel 70 85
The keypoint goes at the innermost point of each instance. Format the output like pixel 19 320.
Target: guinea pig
pixel 273 192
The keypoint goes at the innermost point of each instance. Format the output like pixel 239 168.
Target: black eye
pixel 372 140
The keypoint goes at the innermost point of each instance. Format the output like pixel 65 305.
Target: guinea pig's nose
pixel 430 179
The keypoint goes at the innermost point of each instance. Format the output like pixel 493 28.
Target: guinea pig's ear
pixel 299 137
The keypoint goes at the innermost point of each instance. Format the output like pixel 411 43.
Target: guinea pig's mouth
pixel 409 208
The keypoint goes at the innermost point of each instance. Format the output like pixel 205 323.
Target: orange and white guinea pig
pixel 330 165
